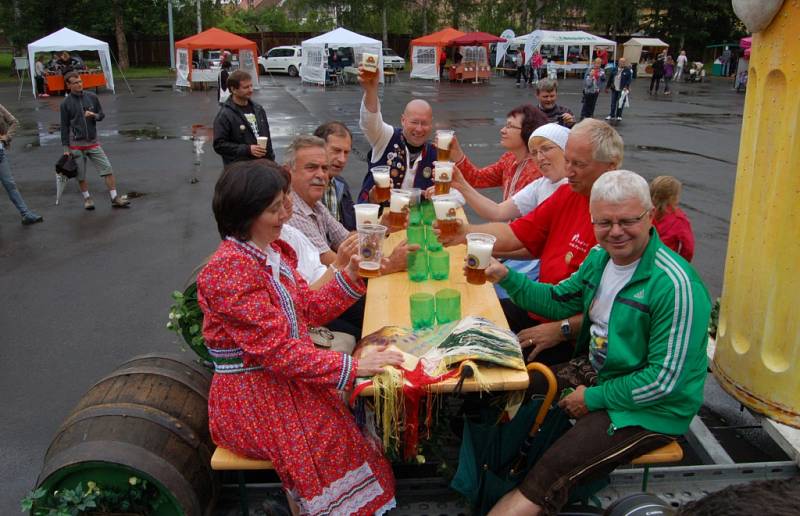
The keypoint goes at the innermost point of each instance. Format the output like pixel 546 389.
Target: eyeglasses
pixel 623 223
pixel 510 126
pixel 543 150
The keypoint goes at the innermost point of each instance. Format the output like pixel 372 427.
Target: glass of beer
pixel 383 183
pixel 369 65
pixel 370 248
pixel 398 208
pixel 366 214
pixel 442 176
pixel 443 140
pixel 446 208
pixel 479 252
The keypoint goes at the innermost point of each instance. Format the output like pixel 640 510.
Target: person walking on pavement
pixel 80 113
pixel 240 122
pixel 8 126
pixel 619 81
pixel 658 74
pixel 681 65
pixel 592 82
pixel 669 69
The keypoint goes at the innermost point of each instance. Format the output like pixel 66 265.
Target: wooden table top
pixel 387 305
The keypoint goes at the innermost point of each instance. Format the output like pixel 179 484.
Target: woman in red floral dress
pixel 275 395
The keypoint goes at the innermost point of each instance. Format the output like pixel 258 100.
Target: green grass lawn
pixel 139 72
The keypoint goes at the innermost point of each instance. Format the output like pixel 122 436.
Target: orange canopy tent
pixel 214 39
pixel 425 52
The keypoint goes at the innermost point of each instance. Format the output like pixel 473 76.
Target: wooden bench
pixel 226 460
pixel 672 452
pixel 500 71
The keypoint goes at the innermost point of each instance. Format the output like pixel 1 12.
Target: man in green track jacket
pixel 640 359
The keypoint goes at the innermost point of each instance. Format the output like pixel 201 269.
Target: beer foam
pixel 398 202
pixel 370 266
pixel 443 139
pixel 382 179
pixel 366 214
pixel 481 251
pixel 445 209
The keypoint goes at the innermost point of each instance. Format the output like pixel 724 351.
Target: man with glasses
pixel 407 149
pixel 636 379
pixel 80 113
pixel 558 232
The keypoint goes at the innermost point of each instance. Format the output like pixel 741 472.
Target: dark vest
pixel 395 157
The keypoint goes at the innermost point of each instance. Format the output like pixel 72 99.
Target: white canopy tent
pixel 573 38
pixel 69 40
pixel 315 52
pixel 632 52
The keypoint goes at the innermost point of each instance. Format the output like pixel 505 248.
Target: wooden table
pixel 90 80
pixel 387 305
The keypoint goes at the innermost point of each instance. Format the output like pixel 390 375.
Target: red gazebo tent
pixel 476 39
pixel 213 39
pixel 437 41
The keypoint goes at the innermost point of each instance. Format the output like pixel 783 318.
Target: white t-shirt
pixel 682 60
pixel 308 263
pixel 615 277
pixel 535 193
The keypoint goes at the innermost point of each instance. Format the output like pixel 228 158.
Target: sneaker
pixel 31 218
pixel 609 117
pixel 120 201
pixel 88 204
pixel 619 119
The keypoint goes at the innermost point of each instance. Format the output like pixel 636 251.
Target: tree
pixel 613 17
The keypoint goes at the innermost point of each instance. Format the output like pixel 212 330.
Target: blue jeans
pixel 11 187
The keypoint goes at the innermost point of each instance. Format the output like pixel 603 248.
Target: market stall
pixel 563 49
pixel 475 62
pixel 314 68
pixel 425 52
pixel 641 52
pixel 69 40
pixel 213 39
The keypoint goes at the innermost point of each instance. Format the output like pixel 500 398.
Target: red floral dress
pixel 507 172
pixel 275 395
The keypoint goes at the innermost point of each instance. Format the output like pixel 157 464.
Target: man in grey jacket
pixel 80 113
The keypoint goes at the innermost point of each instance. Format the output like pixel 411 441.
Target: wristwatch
pixel 565 329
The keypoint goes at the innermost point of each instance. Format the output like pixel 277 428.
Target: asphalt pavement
pixel 84 291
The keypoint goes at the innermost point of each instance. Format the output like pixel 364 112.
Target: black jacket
pixel 233 135
pixel 75 127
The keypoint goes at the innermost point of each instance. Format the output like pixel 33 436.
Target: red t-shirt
pixel 559 232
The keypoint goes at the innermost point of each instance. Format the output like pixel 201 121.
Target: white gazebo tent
pixel 565 39
pixel 632 52
pixel 69 40
pixel 315 52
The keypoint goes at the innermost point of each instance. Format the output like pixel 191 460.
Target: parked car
pixel 392 60
pixel 285 59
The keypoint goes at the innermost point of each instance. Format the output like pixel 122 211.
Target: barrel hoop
pixel 185 379
pixel 141 459
pixel 145 412
pixel 193 363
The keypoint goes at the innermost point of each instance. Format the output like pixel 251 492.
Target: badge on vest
pixel 426 172
pixel 241 128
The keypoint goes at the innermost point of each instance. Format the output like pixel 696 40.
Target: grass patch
pixel 145 72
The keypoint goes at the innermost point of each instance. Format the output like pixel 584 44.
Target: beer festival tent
pixel 425 52
pixel 69 40
pixel 315 52
pixel 214 39
pixel 632 52
pixel 564 39
pixel 476 48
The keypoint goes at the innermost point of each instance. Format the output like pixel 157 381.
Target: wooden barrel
pixel 147 418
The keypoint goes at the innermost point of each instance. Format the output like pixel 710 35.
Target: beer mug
pixel 443 139
pixel 446 208
pixel 370 248
pixel 366 214
pixel 442 176
pixel 383 183
pixel 479 253
pixel 369 64
pixel 398 208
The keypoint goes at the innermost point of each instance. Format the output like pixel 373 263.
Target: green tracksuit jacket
pixel 654 372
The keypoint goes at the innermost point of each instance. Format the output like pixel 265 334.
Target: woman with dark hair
pixel 516 167
pixel 224 72
pixel 275 395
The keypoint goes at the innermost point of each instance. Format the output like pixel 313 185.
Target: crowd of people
pixel 60 63
pixel 591 264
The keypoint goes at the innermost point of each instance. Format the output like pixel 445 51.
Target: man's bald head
pixel 417 122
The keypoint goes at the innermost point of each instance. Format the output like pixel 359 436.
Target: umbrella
pixel 494 458
pixel 61 182
pixel 471 39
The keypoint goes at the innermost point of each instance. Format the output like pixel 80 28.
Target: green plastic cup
pixel 448 305
pixel 428 213
pixel 416 235
pixel 417 262
pixel 431 240
pixel 423 313
pixel 439 264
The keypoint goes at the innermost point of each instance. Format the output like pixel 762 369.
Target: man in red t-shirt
pixel 558 232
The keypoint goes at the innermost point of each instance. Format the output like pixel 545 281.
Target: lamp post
pixel 171 36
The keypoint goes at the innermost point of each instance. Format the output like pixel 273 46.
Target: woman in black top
pixel 223 77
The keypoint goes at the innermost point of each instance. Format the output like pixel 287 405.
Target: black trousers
pixel 589 102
